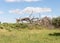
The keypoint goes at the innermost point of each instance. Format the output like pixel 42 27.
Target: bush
pixel 56 22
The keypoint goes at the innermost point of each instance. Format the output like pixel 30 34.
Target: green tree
pixel 56 21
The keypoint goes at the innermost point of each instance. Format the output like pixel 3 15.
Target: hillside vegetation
pixel 30 33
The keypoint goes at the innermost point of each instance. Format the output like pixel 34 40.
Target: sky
pixel 12 9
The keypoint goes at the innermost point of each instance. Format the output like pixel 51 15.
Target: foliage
pixel 10 26
pixel 56 22
pixel 45 21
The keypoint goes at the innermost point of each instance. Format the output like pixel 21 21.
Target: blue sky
pixel 12 9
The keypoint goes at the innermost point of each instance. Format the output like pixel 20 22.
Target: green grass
pixel 29 36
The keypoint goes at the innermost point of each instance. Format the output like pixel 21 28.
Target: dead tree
pixel 17 20
pixel 46 21
pixel 27 18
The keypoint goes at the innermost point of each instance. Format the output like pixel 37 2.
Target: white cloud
pixel 29 10
pixel 1 12
pixel 54 16
pixel 36 10
pixel 12 0
pixel 8 20
pixel 22 0
pixel 31 0
pixel 16 11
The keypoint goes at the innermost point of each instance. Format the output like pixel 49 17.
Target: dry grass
pixel 28 36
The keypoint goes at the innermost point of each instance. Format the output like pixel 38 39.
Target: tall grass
pixel 29 36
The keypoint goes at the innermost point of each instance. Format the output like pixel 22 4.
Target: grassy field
pixel 30 36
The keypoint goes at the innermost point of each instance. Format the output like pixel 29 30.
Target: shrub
pixel 56 22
